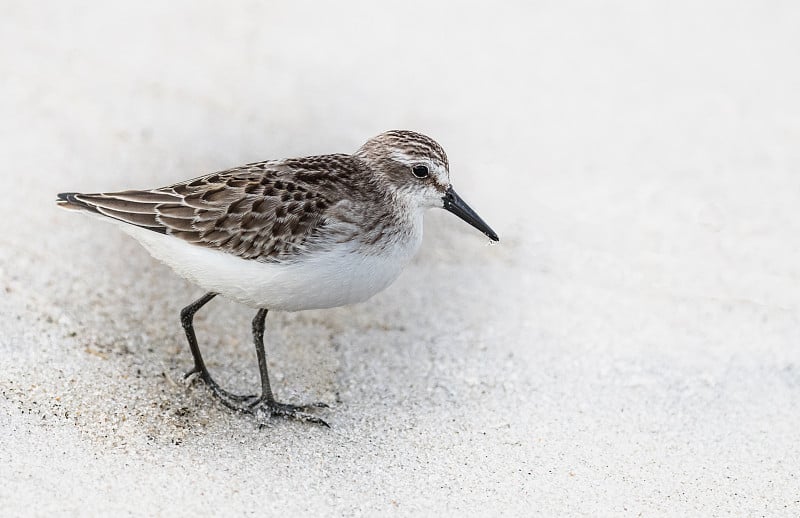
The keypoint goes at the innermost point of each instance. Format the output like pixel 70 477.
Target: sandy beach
pixel 629 348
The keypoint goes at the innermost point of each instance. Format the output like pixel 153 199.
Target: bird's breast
pixel 343 273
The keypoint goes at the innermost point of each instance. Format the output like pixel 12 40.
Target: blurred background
pixel 629 347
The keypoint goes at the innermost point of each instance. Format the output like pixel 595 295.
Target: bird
pixel 289 235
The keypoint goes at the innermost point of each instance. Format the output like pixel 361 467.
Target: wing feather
pixel 268 211
pixel 134 218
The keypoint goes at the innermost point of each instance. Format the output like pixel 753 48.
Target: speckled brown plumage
pixel 268 211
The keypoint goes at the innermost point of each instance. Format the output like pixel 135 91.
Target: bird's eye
pixel 420 171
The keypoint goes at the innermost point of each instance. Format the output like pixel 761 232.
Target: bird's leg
pixel 260 406
pixel 266 406
pixel 259 322
pixel 187 316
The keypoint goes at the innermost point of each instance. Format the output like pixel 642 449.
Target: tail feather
pixel 69 200
pixel 137 214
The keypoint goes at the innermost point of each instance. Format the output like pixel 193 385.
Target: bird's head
pixel 415 168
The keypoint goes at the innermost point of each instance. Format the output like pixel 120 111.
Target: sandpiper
pixel 288 235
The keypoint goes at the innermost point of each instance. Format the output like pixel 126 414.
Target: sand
pixel 630 348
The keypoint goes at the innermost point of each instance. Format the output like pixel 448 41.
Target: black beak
pixel 457 206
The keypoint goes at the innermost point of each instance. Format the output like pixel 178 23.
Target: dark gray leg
pixel 258 340
pixel 261 406
pixel 187 318
pixel 266 405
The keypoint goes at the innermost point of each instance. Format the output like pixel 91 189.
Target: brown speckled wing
pixel 268 211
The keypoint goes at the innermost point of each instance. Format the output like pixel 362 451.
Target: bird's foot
pixel 233 401
pixel 260 407
pixel 264 409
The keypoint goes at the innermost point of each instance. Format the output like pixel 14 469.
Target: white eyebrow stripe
pixel 400 156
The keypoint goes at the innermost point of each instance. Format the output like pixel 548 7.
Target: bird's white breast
pixel 345 274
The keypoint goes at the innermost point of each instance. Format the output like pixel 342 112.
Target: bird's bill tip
pixel 452 202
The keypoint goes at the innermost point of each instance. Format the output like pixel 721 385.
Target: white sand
pixel 632 347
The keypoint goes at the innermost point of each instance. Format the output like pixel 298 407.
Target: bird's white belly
pixel 340 276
